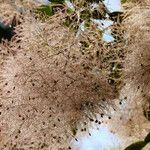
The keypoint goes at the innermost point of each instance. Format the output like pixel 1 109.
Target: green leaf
pixel 136 146
pixel 45 10
pixel 69 11
pixel 147 112
pixel 74 131
pixel 58 1
pixel 123 1
pixel 147 138
pixel 85 14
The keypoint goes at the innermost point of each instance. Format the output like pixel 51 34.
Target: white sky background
pixel 101 139
pixel 113 5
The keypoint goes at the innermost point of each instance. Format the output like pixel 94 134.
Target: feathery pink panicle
pixel 138 59
pixel 140 2
pixel 50 85
pixel 137 70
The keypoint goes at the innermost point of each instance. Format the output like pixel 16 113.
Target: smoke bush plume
pixel 50 84
pixel 137 70
pixel 138 60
